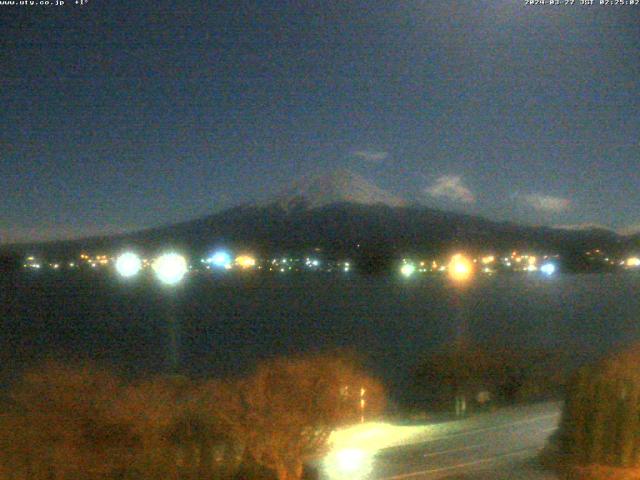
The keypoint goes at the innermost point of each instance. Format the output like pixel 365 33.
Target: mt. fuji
pixel 338 186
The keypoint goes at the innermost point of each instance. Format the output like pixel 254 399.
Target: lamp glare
pixel 128 265
pixel 170 268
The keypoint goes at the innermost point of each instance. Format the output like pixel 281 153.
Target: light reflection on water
pixel 228 323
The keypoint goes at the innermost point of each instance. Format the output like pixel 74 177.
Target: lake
pixel 228 323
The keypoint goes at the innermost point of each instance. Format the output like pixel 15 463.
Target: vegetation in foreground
pixel 79 423
pixel 599 435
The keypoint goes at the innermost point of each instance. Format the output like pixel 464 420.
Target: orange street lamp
pixel 245 261
pixel 460 268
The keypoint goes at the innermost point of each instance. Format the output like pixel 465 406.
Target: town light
pixel 407 269
pixel 128 264
pixel 460 268
pixel 220 259
pixel 170 268
pixel 548 268
pixel 245 261
pixel 633 262
pixel 312 262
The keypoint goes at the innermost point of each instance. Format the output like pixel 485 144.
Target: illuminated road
pixel 491 446
pixel 500 445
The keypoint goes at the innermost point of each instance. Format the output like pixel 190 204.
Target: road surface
pixel 493 446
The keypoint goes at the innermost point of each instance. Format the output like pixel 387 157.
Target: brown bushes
pixel 81 423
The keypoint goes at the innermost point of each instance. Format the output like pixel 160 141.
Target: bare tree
pixel 284 413
pixel 81 423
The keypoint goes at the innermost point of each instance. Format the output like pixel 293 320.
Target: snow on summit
pixel 339 186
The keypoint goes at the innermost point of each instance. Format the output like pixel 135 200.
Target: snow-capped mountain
pixel 344 214
pixel 338 186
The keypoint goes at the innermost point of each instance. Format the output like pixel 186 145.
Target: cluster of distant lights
pixel 223 260
pixel 94 262
pixel 461 268
pixel 170 268
pixel 128 264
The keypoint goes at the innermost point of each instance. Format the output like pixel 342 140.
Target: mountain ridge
pixel 335 212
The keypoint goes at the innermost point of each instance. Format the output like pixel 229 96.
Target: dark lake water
pixel 228 323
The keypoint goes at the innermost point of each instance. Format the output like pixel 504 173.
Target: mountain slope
pixel 346 229
pixel 337 212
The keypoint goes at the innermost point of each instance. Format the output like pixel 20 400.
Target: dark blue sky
pixel 121 115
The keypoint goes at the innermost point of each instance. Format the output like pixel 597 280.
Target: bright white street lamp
pixel 548 268
pixel 170 268
pixel 128 265
pixel 407 269
pixel 220 259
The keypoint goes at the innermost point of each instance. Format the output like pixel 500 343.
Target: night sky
pixel 125 114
